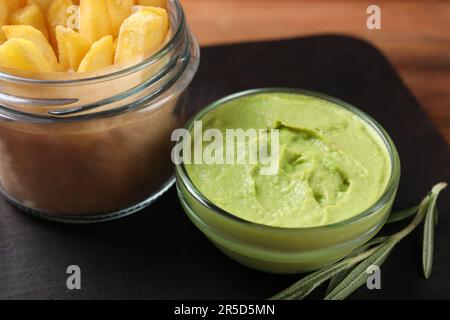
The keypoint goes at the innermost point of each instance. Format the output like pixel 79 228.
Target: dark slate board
pixel 159 254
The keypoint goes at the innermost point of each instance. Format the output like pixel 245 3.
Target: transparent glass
pixel 287 250
pixel 92 149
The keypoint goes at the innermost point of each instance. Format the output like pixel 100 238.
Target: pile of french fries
pixel 47 36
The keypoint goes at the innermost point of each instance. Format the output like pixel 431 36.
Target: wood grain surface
pixel 415 35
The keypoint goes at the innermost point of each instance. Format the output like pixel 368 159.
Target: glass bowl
pixel 287 250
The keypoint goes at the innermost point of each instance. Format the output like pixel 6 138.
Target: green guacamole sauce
pixel 332 165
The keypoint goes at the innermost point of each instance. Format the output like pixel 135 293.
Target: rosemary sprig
pixel 431 220
pixel 350 273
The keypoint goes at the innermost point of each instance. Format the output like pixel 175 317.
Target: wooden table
pixel 415 35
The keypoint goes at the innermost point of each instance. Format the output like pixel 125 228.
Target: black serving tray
pixel 159 254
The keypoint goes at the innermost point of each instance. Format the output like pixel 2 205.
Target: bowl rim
pixel 390 188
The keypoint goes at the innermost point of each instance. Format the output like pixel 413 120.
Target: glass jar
pixel 93 149
pixel 287 250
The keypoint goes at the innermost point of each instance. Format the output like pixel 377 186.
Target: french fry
pixel 22 54
pixel 141 34
pixel 160 12
pixel 72 47
pixel 30 15
pixel 94 20
pixel 118 11
pixel 101 55
pixel 35 36
pixel 58 15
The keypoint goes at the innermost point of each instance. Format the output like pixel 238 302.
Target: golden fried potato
pixel 118 11
pixel 72 47
pixel 35 36
pixel 94 20
pixel 58 15
pixel 22 54
pixel 30 15
pixel 141 34
pixel 101 55
pixel 160 12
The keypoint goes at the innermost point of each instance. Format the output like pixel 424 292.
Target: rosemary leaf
pixel 343 274
pixel 302 288
pixel 337 279
pixel 428 238
pixel 428 231
pixel 428 243
pixel 402 215
pixel 359 276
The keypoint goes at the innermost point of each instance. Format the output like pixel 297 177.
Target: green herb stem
pixel 350 273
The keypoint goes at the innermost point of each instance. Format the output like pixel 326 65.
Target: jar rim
pixel 390 188
pixel 179 29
